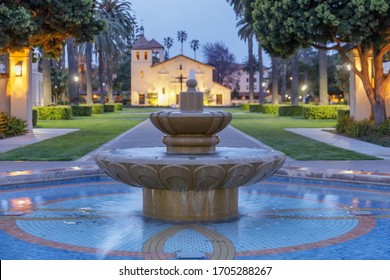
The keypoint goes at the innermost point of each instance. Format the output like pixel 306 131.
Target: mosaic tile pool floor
pixel 98 218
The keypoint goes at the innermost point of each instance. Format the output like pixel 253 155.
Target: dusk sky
pixel 204 20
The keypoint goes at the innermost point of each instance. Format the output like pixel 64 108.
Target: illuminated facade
pixel 158 82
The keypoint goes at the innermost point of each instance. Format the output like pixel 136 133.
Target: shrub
pixel 255 108
pixel 54 112
pixel 11 126
pixel 291 111
pixel 96 108
pixel 271 109
pixel 245 106
pixel 343 121
pixel 321 111
pixel 81 111
pixel 109 108
pixel 118 106
pixel 34 117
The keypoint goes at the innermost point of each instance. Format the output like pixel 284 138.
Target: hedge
pixel 109 108
pixel 271 109
pixel 54 112
pixel 81 111
pixel 118 106
pixel 322 111
pixel 291 111
pixel 96 108
pixel 255 108
pixel 34 117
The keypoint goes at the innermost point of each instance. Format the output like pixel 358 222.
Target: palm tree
pixel 168 43
pixel 246 33
pixel 181 37
pixel 194 46
pixel 243 10
pixel 113 40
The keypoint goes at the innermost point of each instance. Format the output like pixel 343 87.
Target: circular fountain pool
pixel 279 218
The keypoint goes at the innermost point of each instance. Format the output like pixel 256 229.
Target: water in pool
pixel 280 218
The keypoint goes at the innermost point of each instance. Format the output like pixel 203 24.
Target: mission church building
pixel 158 82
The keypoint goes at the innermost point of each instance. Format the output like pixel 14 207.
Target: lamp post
pixel 76 79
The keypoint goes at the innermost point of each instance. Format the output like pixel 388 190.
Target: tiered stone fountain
pixel 190 180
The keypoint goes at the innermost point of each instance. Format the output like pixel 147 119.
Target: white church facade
pixel 158 82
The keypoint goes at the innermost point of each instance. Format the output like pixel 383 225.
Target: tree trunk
pixel 101 76
pixel 88 62
pixel 295 79
pixel 261 78
pixel 251 69
pixel 379 112
pixel 283 78
pixel 323 65
pixel 72 71
pixel 109 82
pixel 275 80
pixel 46 73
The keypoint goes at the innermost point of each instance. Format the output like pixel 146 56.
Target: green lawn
pixel 269 129
pixel 99 129
pixel 94 131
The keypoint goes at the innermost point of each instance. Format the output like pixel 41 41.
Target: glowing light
pixel 18 69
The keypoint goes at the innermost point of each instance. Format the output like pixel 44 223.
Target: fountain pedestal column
pixel 192 205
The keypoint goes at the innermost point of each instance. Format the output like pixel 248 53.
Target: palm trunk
pixel 295 78
pixel 283 78
pixel 275 80
pixel 101 77
pixel 46 73
pixel 251 69
pixel 323 65
pixel 72 71
pixel 261 78
pixel 88 61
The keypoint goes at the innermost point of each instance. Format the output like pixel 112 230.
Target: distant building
pixel 239 81
pixel 156 81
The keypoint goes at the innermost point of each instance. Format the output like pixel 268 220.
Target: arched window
pixel 137 55
pixel 145 55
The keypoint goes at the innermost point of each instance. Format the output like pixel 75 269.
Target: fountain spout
pixel 191 101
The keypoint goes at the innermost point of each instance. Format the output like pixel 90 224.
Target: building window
pixel 141 98
pixel 247 80
pixel 141 74
pixel 177 99
pixel 137 55
pixel 163 90
pixel 181 67
pixel 219 99
pixel 145 55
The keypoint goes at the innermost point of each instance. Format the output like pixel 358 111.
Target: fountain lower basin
pixel 190 187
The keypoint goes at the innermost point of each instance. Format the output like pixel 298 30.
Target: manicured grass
pixel 269 129
pixel 99 129
pixel 94 131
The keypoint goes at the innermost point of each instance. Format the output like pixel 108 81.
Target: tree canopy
pixel 218 55
pixel 340 25
pixel 46 24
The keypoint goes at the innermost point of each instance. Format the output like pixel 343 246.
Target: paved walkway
pixel 322 135
pixel 146 135
pixel 38 135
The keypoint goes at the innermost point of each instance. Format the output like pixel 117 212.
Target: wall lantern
pixel 18 69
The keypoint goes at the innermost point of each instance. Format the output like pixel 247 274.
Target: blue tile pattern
pixel 101 214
